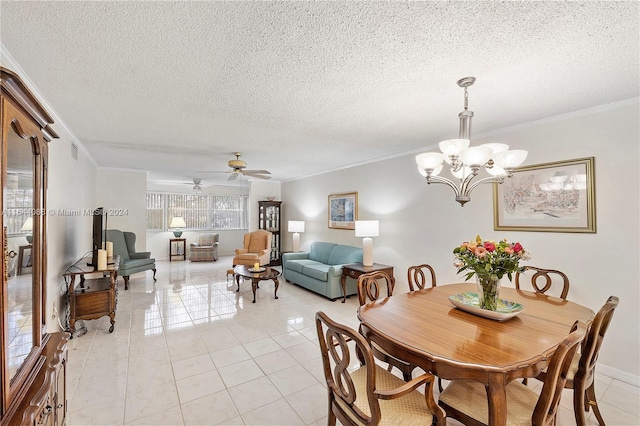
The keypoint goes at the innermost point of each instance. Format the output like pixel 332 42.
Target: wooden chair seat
pixel 470 399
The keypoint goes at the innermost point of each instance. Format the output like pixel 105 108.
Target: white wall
pixel 122 193
pixel 72 188
pixel 422 223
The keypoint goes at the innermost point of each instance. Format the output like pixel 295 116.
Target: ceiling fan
pixel 238 167
pixel 197 186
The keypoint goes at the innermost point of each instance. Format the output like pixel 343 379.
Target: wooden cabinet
pixel 90 297
pixel 269 219
pixel 32 361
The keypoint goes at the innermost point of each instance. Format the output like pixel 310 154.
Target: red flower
pixel 517 247
pixel 490 246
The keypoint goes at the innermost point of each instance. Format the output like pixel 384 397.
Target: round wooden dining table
pixel 423 327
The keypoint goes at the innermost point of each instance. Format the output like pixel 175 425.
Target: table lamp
pixel 177 223
pixel 296 226
pixel 367 229
pixel 28 226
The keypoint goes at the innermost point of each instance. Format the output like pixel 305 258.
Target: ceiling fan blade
pixel 262 172
pixel 257 176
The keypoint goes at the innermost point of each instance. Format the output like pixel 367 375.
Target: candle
pixel 102 260
pixel 109 248
pixel 256 266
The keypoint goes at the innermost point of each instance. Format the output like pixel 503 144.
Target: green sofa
pixel 320 269
pixel 131 262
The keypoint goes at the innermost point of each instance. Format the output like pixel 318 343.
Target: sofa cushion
pixel 134 263
pixel 341 255
pixel 320 251
pixel 297 265
pixel 319 271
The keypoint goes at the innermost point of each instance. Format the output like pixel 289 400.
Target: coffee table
pixel 255 277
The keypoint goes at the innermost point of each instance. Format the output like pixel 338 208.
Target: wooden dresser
pixel 32 361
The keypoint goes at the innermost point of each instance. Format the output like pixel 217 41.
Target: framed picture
pixel 343 210
pixel 550 197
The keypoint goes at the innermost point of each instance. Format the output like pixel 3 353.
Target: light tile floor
pixel 190 350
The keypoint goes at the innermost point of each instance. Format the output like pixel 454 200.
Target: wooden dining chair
pixel 417 276
pixel 466 401
pixel 550 276
pixel 369 395
pixel 581 375
pixel 371 289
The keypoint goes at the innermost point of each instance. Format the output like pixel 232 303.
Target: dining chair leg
pixel 580 405
pixel 591 400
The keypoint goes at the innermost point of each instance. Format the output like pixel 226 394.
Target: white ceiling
pixel 304 87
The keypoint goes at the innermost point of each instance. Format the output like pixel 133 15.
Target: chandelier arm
pixel 490 179
pixel 440 179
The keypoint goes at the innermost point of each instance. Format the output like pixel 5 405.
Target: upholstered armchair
pixel 257 249
pixel 206 249
pixel 131 261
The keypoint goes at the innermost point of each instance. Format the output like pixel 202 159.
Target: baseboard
pixel 614 373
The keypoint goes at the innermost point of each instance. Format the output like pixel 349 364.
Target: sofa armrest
pixel 241 251
pixel 295 256
pixel 140 255
pixel 194 245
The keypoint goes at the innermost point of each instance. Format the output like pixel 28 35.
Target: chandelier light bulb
pixel 476 156
pixel 429 160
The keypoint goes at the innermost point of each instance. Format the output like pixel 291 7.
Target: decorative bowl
pixel 271 198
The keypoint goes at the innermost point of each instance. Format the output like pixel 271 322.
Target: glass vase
pixel 488 291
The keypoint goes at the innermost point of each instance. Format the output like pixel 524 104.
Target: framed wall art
pixel 343 210
pixel 550 197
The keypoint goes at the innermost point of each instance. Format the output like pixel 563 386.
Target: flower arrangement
pixel 484 257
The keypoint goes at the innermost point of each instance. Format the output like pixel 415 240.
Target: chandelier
pixel 465 161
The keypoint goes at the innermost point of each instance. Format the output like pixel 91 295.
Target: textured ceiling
pixel 304 87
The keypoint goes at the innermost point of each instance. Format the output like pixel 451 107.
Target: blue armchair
pixel 131 262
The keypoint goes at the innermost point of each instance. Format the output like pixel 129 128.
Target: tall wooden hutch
pixel 269 219
pixel 33 361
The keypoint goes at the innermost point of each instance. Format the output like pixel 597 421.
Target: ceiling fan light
pixel 476 156
pixel 453 146
pixel 429 160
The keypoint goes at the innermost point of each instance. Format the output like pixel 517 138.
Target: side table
pixel 354 270
pixel 180 245
pixel 92 298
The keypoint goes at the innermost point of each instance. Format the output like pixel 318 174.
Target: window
pixel 18 203
pixel 200 212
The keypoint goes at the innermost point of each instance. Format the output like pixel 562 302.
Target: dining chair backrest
pixel 556 377
pixel 417 276
pixel 369 287
pixel 336 360
pixel 354 394
pixel 543 280
pixel 593 341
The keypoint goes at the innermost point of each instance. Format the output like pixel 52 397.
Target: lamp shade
pixel 28 225
pixel 367 228
pixel 177 222
pixel 296 226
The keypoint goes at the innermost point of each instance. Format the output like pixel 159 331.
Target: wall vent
pixel 74 151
